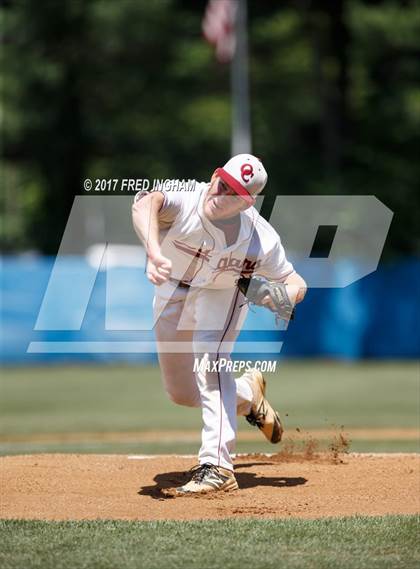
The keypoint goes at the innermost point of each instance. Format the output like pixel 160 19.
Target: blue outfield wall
pixel 376 317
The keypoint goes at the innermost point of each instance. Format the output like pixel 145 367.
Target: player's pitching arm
pixel 146 224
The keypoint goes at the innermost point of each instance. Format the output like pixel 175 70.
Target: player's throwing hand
pixel 159 269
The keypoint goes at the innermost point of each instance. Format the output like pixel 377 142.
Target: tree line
pixel 130 89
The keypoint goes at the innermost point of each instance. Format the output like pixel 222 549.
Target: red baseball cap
pixel 245 174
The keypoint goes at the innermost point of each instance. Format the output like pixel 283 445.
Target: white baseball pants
pixel 203 323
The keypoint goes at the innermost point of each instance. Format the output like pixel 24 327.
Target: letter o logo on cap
pixel 247 172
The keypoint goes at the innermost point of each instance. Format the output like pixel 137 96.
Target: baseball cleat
pixel 262 414
pixel 206 478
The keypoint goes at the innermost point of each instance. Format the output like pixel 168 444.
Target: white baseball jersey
pixel 198 249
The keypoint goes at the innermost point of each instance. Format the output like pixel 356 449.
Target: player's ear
pixel 214 175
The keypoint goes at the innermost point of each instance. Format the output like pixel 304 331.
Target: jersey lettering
pixel 235 265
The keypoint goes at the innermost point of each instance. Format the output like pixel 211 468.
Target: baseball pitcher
pixel 209 255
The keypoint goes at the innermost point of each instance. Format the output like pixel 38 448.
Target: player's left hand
pixel 268 303
pixel 292 293
pixel 272 295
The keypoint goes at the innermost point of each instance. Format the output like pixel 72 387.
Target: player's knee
pixel 182 399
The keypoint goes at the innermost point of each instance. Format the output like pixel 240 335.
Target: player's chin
pixel 215 215
pixel 210 214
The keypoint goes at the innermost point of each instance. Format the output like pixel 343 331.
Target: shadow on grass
pixel 245 480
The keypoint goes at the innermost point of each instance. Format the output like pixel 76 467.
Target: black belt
pixel 180 283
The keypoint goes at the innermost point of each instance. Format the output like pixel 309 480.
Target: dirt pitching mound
pixel 81 487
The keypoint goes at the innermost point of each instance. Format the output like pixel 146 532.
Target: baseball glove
pixel 255 289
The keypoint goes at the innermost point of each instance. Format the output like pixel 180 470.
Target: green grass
pixel 108 398
pixel 260 446
pixel 357 542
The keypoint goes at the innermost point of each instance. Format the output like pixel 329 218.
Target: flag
pixel 219 27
